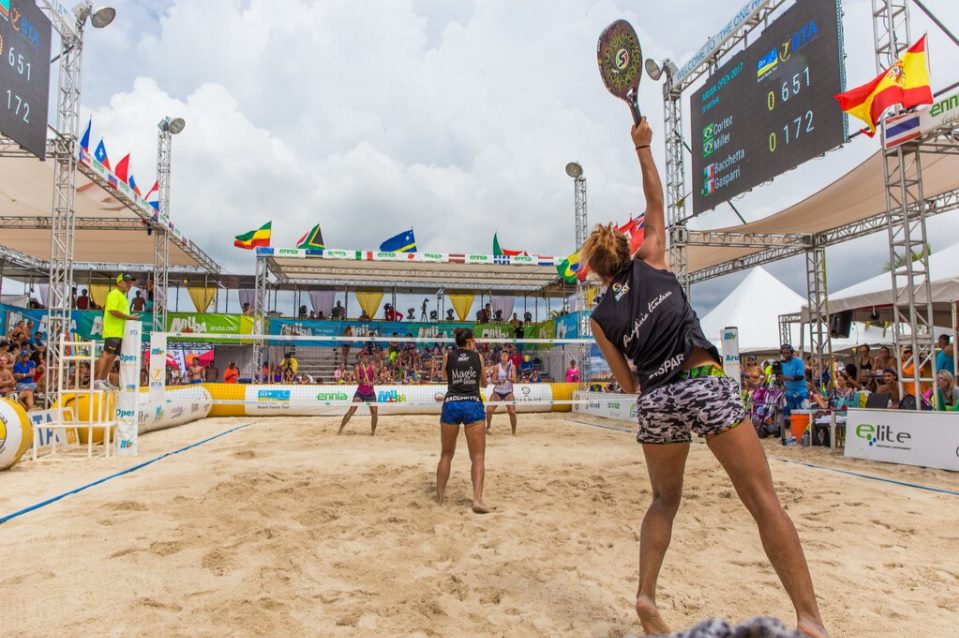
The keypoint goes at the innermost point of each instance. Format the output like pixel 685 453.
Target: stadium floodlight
pixel 99 18
pixel 173 126
pixel 102 17
pixel 574 170
pixel 177 125
pixel 655 70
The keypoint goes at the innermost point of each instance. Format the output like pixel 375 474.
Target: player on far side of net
pixel 644 318
pixel 463 405
pixel 365 392
pixel 504 376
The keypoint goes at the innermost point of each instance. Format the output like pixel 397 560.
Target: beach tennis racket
pixel 620 59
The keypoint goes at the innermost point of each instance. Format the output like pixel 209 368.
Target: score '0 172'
pixel 802 124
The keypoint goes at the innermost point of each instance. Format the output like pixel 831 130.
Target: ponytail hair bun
pixel 462 335
pixel 606 250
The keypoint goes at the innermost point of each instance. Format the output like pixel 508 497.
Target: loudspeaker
pixel 839 324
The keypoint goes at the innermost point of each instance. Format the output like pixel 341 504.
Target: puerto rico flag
pixel 101 155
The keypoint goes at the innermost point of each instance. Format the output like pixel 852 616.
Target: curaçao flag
pixel 405 242
pixel 905 83
pixel 255 238
pixel 312 240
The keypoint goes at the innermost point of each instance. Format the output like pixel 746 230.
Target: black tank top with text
pixel 645 314
pixel 463 371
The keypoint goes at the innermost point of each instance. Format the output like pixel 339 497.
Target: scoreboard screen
pixel 24 74
pixel 770 107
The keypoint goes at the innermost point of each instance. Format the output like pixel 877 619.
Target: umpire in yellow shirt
pixel 115 313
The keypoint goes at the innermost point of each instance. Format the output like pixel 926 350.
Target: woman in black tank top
pixel 645 323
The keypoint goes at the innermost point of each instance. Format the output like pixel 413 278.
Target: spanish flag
pixel 905 83
pixel 254 238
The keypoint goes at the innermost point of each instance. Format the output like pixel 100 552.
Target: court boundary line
pixel 54 499
pixel 871 477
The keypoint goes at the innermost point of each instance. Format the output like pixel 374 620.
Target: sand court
pixel 283 528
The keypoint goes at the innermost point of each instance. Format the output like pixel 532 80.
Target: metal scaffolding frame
pixel 62 225
pixel 260 301
pixel 161 239
pixel 820 344
pixel 906 216
pixel 783 246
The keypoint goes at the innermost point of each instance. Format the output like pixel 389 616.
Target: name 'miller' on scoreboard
pixel 770 107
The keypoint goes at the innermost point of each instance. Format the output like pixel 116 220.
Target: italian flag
pixel 255 238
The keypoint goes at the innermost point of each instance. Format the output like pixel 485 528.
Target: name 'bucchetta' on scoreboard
pixel 770 107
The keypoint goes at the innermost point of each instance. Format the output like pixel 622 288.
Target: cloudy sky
pixel 453 116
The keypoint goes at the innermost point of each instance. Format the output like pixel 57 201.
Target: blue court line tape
pixel 939 490
pixel 871 477
pixel 54 499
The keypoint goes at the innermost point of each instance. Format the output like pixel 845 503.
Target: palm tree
pixel 900 260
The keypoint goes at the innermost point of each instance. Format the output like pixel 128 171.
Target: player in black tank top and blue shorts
pixel 645 323
pixel 463 405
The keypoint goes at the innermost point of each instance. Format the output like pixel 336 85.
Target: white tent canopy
pixel 875 294
pixel 754 307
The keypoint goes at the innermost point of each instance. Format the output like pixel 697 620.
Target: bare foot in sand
pixel 813 629
pixel 480 508
pixel 653 624
pixel 440 500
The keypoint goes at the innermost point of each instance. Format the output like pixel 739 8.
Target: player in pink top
pixel 365 393
pixel 572 374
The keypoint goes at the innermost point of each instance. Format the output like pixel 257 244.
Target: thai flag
pixel 902 128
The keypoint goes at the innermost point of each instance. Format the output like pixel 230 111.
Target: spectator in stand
pixel 231 374
pixel 534 377
pixel 196 371
pixel 138 304
pixel 852 377
pixel 40 372
pixel 23 371
pixel 572 373
pixel 212 375
pixel 83 301
pixel 319 315
pixel 247 309
pixel 908 370
pixel 338 375
pixel 793 375
pixel 338 313
pixel 945 357
pixel 884 360
pixel 290 363
pixel 945 396
pixel 8 384
pixel 890 386
pixel 864 366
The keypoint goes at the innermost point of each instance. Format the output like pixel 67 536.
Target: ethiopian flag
pixel 312 240
pixel 254 238
pixel 905 83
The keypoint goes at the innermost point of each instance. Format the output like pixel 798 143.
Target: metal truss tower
pixel 906 216
pixel 161 237
pixel 675 184
pixel 820 344
pixel 63 219
pixel 260 300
